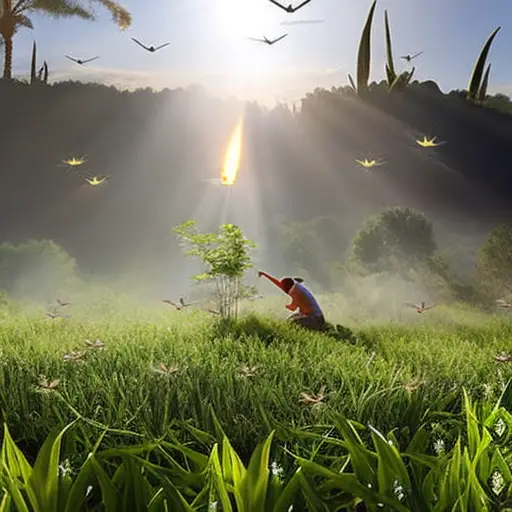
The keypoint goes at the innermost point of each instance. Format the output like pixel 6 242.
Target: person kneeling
pixel 309 313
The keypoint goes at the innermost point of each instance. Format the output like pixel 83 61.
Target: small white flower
pixel 276 469
pixel 369 486
pixel 212 507
pixel 290 508
pixel 88 490
pixel 398 490
pixel 487 390
pixel 390 442
pixel 497 482
pixel 500 427
pixel 65 467
pixel 439 446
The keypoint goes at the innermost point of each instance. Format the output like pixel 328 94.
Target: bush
pixel 495 260
pixel 37 269
pixel 395 237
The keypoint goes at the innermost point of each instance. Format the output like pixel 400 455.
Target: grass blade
pixel 390 66
pixel 478 71
pixel 482 93
pixel 364 54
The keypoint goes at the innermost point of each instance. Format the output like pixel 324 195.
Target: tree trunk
pixel 8 58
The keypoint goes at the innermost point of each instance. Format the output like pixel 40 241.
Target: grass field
pixel 252 372
pixel 399 372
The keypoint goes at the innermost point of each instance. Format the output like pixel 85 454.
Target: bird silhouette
pixel 268 41
pixel 289 8
pixel 408 58
pixel 180 304
pixel 428 143
pixel 95 180
pixel 419 307
pixel 150 49
pixel 80 61
pixel 63 303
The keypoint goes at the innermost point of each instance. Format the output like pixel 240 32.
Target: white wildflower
pixel 500 427
pixel 497 482
pixel 276 469
pixel 439 446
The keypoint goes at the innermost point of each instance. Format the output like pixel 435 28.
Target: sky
pixel 210 45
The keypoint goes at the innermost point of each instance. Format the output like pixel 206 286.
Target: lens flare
pixel 233 154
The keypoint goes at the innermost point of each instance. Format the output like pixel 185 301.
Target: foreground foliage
pixel 338 467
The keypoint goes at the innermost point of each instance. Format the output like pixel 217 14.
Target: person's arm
pixel 270 278
pixel 292 306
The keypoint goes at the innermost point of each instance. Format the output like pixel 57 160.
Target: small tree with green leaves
pixel 226 257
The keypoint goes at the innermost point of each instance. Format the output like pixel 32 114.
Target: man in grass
pixel 309 314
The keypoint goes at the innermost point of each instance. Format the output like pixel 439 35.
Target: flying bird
pixel 63 303
pixel 96 344
pixel 368 164
pixel 408 58
pixel 95 180
pixel 290 8
pixel 47 384
pixel 150 49
pixel 502 304
pixel 74 162
pixel 419 307
pixel 428 143
pixel 180 305
pixel 268 41
pixel 80 61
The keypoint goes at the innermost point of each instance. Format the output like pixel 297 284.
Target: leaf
pixel 364 53
pixel 482 93
pixel 109 494
pixel 390 66
pixel 45 476
pixel 255 483
pixel 478 71
pixel 391 466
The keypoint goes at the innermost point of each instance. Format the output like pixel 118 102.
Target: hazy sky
pixel 209 44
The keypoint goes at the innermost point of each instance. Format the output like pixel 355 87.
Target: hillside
pixel 160 148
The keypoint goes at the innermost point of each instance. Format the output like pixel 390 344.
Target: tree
pixel 14 15
pixel 225 255
pixel 392 238
pixel 495 259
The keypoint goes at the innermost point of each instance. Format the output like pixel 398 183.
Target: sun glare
pixel 233 154
pixel 246 18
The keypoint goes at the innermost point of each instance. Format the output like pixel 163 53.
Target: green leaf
pixel 364 53
pixel 255 483
pixel 390 66
pixel 45 476
pixel 478 70
pixel 482 93
pixel 109 494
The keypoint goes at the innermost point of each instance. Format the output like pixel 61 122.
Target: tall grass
pixel 251 372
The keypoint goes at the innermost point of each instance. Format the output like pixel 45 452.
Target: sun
pixel 247 18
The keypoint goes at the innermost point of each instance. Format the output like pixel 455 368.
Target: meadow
pixel 164 374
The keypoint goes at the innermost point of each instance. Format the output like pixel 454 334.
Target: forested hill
pixel 160 148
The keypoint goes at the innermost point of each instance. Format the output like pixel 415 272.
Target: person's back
pixel 305 300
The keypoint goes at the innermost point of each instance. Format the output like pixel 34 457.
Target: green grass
pixel 390 377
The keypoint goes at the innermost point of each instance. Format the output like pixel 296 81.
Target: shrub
pixel 35 269
pixel 392 238
pixel 495 260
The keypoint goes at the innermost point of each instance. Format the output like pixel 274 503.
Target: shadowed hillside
pixel 159 149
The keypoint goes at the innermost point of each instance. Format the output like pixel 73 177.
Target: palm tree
pixel 13 15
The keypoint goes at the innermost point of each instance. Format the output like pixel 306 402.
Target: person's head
pixel 286 284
